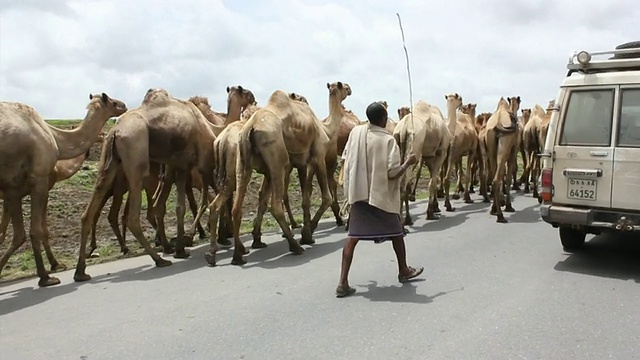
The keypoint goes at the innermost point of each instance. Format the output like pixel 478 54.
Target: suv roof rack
pixel 627 58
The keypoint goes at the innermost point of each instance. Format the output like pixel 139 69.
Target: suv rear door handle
pixel 599 153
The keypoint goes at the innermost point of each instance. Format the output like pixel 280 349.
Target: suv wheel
pixel 571 239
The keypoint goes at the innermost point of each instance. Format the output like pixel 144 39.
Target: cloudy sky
pixel 54 53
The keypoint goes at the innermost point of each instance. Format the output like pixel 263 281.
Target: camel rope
pixel 406 55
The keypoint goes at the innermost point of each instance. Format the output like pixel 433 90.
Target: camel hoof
pixel 163 263
pixel 509 209
pixel 58 267
pixel 258 245
pixel 486 201
pixel 295 226
pixel 525 191
pixel 296 250
pixel 210 258
pixel 48 281
pixel 307 241
pixel 450 209
pixel 468 201
pixel 202 235
pixel 339 222
pixel 168 249
pixel 411 198
pixel 224 242
pixel 93 255
pixel 181 254
pixel 432 217
pixel 408 221
pixel 472 191
pixel 124 251
pixel 539 200
pixel 81 277
pixel 188 242
pixel 501 220
pixel 238 261
pixel 455 197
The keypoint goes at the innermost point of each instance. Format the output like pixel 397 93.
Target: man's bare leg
pixel 405 272
pixel 343 288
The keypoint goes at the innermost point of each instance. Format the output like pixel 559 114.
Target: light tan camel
pixel 424 133
pixel 163 129
pixel 534 138
pixel 522 121
pixel 464 142
pixel 482 162
pixel 29 151
pixel 501 141
pixel 469 109
pixel 63 170
pixel 283 134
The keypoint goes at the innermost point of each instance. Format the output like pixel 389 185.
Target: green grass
pixel 63 123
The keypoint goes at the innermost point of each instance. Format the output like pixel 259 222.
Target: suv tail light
pixel 547 185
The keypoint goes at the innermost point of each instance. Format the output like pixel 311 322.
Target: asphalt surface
pixel 489 291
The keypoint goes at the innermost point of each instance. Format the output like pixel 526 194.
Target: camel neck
pixel 73 143
pixel 67 168
pixel 233 112
pixel 452 118
pixel 336 113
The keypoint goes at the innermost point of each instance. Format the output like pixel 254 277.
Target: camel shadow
pixel 405 293
pixel 530 215
pixel 446 222
pixel 609 255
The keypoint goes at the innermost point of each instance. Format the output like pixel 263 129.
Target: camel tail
pixel 108 151
pixel 220 161
pixel 245 147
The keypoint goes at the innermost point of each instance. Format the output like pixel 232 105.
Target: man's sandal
pixel 414 273
pixel 342 291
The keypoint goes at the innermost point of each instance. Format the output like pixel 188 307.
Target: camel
pixel 464 142
pixel 163 129
pixel 283 134
pixel 29 151
pixel 501 142
pixel 481 160
pixel 63 170
pixel 426 134
pixel 469 109
pixel 238 98
pixel 533 139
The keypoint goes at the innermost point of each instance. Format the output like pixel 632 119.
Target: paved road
pixel 490 291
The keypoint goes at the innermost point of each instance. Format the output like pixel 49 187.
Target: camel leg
pixel 432 205
pixel 412 194
pixel 512 162
pixel 285 199
pixel 224 223
pixel 263 198
pixel 535 172
pixel 459 179
pixel 215 207
pixel 114 211
pixel 53 263
pixel 160 209
pixel 306 187
pixel 277 179
pixel 482 174
pixel 446 182
pixel 4 223
pixel 327 199
pixel 242 181
pixel 193 206
pixel 94 222
pixel 498 181
pixel 333 188
pixel 135 173
pixel 13 207
pixel 181 241
pixel 39 195
pixel 408 221
pixel 467 179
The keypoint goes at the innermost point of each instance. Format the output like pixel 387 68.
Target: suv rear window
pixel 588 118
pixel 629 128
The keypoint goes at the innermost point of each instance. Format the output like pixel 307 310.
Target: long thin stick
pixel 406 54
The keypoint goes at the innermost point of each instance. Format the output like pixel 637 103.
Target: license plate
pixel 582 189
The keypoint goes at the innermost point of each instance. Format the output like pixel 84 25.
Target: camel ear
pixel 445 97
pixel 227 89
pixel 328 86
pixel 105 98
pixel 457 96
pixel 339 85
pixel 90 96
pixel 518 99
pixel 240 88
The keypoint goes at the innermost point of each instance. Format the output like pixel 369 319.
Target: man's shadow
pixel 406 293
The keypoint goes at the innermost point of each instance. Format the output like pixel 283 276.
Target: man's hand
pixel 411 159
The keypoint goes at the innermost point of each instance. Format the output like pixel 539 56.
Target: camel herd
pixel 168 141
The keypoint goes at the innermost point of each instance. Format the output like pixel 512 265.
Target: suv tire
pixel 571 239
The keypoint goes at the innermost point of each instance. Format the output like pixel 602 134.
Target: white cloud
pixel 53 53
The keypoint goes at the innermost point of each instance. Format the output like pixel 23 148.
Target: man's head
pixel 377 114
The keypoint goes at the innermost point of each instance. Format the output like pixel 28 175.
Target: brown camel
pixel 29 151
pixel 163 129
pixel 501 141
pixel 481 159
pixel 238 98
pixel 464 142
pixel 424 133
pixel 285 133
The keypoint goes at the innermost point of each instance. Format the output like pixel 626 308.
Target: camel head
pixel 339 90
pixel 249 110
pixel 514 103
pixel 155 94
pixel 403 111
pixel 526 114
pixel 469 109
pixel 454 100
pixel 551 105
pixel 103 102
pixel 384 103
pixel 298 97
pixel 481 120
pixel 239 96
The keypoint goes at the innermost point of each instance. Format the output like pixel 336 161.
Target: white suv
pixel 591 161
